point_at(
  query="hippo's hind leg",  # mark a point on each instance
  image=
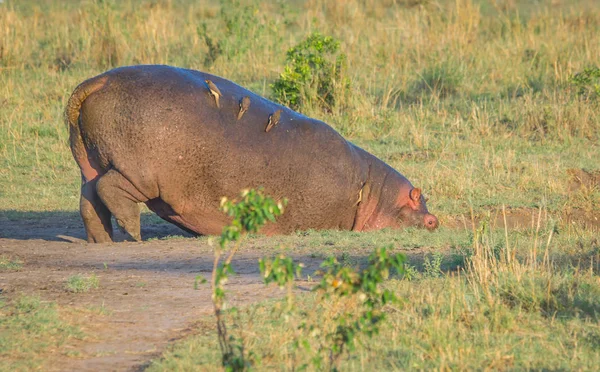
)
(122, 198)
(95, 215)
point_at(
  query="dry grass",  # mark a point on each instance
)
(477, 90)
(470, 99)
(511, 306)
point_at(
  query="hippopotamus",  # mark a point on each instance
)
(180, 140)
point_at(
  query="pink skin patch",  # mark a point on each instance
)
(87, 170)
(431, 222)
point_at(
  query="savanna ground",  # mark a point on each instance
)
(473, 100)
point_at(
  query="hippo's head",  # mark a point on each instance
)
(414, 212)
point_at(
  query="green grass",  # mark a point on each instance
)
(420, 335)
(442, 323)
(498, 311)
(81, 284)
(472, 100)
(488, 298)
(30, 330)
(9, 264)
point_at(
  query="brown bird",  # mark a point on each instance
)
(273, 120)
(244, 105)
(214, 91)
(360, 192)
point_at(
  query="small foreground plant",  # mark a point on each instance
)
(433, 265)
(341, 282)
(249, 215)
(341, 287)
(281, 271)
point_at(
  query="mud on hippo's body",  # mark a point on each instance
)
(178, 140)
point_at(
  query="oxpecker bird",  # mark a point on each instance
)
(273, 120)
(214, 91)
(244, 105)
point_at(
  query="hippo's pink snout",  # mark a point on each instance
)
(431, 222)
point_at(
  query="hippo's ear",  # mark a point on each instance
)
(415, 194)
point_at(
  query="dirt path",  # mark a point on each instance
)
(146, 288)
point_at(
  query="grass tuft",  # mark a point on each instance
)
(9, 264)
(81, 284)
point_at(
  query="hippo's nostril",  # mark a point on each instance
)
(431, 222)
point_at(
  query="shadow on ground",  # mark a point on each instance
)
(67, 226)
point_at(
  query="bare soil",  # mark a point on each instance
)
(146, 289)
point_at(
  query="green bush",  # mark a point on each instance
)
(339, 285)
(587, 82)
(433, 265)
(314, 74)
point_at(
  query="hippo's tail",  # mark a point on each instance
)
(72, 111)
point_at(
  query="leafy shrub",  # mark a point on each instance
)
(340, 281)
(340, 284)
(281, 270)
(314, 74)
(249, 215)
(411, 273)
(587, 82)
(341, 288)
